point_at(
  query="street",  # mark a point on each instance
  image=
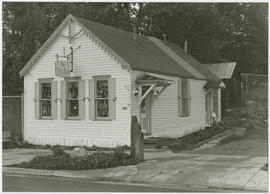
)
(13, 183)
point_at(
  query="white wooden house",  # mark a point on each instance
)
(86, 82)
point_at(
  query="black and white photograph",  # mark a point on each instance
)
(140, 96)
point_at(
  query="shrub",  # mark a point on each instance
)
(158, 145)
(64, 161)
(265, 167)
(57, 150)
(9, 144)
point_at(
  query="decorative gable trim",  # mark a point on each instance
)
(88, 33)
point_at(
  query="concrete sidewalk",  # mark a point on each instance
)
(163, 168)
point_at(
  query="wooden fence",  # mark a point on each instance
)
(12, 116)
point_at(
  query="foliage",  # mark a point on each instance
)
(64, 161)
(215, 32)
(57, 151)
(10, 144)
(158, 145)
(265, 167)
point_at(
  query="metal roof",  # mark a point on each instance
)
(222, 70)
(143, 54)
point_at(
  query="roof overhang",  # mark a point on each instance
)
(152, 80)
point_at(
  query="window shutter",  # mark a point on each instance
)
(189, 96)
(54, 99)
(91, 99)
(37, 107)
(81, 98)
(179, 86)
(63, 100)
(112, 99)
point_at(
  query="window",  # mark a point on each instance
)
(72, 99)
(45, 99)
(102, 98)
(183, 97)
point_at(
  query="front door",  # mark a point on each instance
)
(146, 114)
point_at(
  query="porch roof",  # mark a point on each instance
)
(150, 80)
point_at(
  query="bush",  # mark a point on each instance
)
(64, 161)
(9, 144)
(158, 145)
(57, 150)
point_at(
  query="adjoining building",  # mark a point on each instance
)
(230, 74)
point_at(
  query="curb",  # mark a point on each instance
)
(194, 188)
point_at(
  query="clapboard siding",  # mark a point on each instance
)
(165, 120)
(90, 60)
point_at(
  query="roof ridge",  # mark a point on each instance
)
(102, 24)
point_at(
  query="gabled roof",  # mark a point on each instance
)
(222, 70)
(145, 53)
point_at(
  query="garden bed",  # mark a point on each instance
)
(60, 160)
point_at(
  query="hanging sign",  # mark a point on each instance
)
(62, 68)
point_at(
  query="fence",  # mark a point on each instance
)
(255, 85)
(12, 119)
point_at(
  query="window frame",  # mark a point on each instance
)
(67, 80)
(40, 82)
(102, 78)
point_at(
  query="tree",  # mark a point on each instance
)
(216, 32)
